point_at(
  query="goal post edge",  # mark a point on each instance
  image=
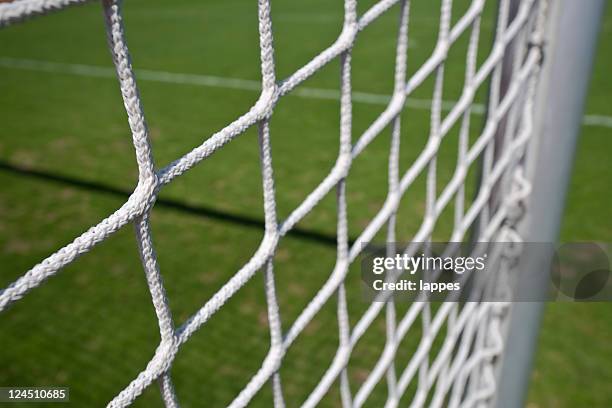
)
(570, 45)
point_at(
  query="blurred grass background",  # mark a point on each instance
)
(66, 162)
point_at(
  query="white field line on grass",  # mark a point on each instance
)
(240, 84)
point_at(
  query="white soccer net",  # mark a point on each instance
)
(462, 372)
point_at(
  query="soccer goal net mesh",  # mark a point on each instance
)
(462, 371)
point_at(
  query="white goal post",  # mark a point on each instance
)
(525, 151)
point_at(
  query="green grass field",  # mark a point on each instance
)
(66, 162)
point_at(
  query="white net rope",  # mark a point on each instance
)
(462, 373)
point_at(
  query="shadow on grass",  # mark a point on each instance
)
(166, 203)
